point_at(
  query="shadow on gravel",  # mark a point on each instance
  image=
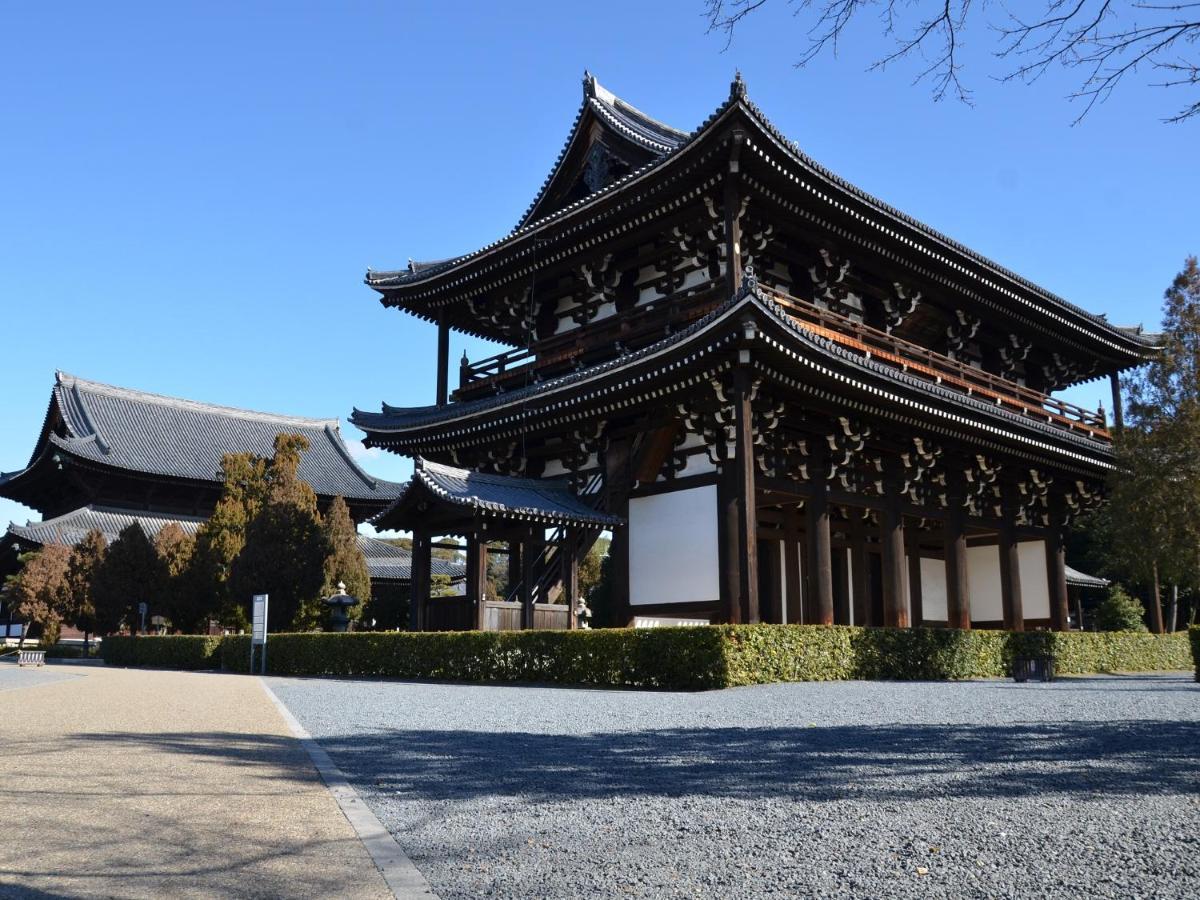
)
(893, 762)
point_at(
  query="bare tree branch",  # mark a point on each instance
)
(1107, 41)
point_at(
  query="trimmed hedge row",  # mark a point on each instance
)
(178, 651)
(691, 658)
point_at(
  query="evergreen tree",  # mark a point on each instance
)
(285, 545)
(345, 562)
(40, 592)
(1120, 612)
(86, 559)
(131, 573)
(186, 606)
(1155, 517)
(222, 537)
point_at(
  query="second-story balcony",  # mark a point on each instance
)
(642, 326)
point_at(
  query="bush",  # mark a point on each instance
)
(180, 651)
(1120, 612)
(68, 651)
(694, 658)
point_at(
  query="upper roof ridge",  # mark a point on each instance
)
(74, 382)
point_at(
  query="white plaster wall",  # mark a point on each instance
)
(983, 581)
(933, 590)
(673, 547)
(1035, 588)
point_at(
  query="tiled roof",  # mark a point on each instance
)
(626, 118)
(1081, 579)
(384, 560)
(174, 438)
(529, 499)
(71, 527)
(398, 420)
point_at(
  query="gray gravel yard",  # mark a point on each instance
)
(1087, 786)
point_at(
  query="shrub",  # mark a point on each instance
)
(181, 651)
(693, 658)
(67, 651)
(1120, 612)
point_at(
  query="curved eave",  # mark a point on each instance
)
(832, 190)
(619, 382)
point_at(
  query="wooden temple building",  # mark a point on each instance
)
(787, 400)
(107, 457)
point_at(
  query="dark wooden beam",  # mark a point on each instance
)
(1010, 562)
(617, 479)
(1056, 576)
(859, 577)
(477, 581)
(958, 598)
(791, 563)
(654, 451)
(420, 582)
(569, 559)
(443, 360)
(747, 537)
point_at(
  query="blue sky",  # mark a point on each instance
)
(193, 192)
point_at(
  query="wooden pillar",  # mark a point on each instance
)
(958, 595)
(820, 563)
(1056, 575)
(1118, 407)
(443, 360)
(916, 603)
(859, 576)
(531, 550)
(891, 539)
(747, 508)
(616, 486)
(419, 581)
(570, 573)
(1010, 562)
(794, 593)
(477, 578)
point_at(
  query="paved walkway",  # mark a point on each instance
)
(125, 783)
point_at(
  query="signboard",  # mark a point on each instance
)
(258, 621)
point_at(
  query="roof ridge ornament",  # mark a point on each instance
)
(589, 84)
(737, 88)
(749, 281)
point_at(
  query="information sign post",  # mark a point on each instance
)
(258, 631)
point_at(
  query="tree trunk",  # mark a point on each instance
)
(1156, 618)
(1174, 607)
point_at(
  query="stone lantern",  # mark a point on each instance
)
(339, 604)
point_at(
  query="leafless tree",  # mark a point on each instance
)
(1106, 41)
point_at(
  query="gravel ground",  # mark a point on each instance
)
(1086, 786)
(14, 677)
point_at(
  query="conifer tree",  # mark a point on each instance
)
(131, 573)
(285, 545)
(86, 559)
(345, 562)
(1155, 515)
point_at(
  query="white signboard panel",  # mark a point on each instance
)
(258, 621)
(673, 547)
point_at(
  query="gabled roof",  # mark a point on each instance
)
(771, 150)
(385, 561)
(182, 439)
(1082, 579)
(547, 501)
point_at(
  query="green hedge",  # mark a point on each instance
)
(694, 658)
(1194, 631)
(182, 651)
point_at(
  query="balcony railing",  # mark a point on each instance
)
(917, 361)
(639, 326)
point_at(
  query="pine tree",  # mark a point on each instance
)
(345, 562)
(86, 559)
(131, 573)
(40, 592)
(285, 546)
